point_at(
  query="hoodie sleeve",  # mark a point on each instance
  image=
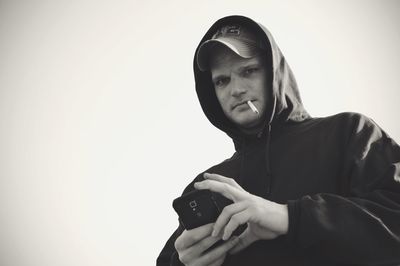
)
(168, 255)
(362, 227)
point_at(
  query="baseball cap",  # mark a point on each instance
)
(239, 39)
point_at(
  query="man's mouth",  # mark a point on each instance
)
(239, 104)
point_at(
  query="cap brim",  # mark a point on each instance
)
(241, 48)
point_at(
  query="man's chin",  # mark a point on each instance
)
(250, 126)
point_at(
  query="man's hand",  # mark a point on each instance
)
(265, 219)
(191, 246)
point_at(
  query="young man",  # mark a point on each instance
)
(312, 191)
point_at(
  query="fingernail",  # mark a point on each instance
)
(214, 233)
(205, 175)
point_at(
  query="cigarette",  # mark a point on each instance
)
(253, 107)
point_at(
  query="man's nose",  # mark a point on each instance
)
(237, 87)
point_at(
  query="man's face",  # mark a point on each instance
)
(237, 80)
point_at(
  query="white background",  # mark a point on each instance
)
(100, 127)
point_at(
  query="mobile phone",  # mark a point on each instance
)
(199, 207)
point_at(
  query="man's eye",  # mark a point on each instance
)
(221, 82)
(250, 71)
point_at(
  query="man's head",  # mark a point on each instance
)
(237, 64)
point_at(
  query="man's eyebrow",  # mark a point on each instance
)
(250, 65)
(240, 69)
(218, 76)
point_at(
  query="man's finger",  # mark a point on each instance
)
(218, 262)
(225, 189)
(222, 179)
(191, 237)
(245, 240)
(197, 249)
(226, 215)
(218, 252)
(236, 220)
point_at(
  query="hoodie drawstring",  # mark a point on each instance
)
(267, 159)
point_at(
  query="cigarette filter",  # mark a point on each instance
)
(252, 107)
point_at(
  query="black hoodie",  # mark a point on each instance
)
(339, 175)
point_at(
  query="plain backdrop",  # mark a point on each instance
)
(100, 127)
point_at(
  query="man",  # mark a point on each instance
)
(312, 191)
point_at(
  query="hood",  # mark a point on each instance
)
(285, 104)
